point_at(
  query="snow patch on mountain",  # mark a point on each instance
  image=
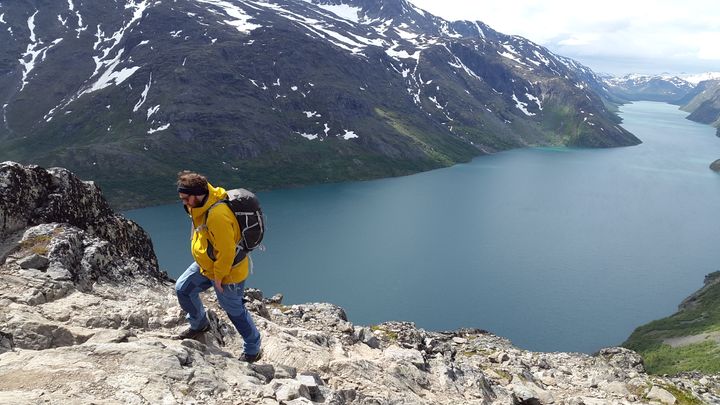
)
(143, 96)
(34, 51)
(406, 35)
(697, 78)
(80, 27)
(542, 59)
(344, 11)
(641, 80)
(319, 28)
(434, 100)
(110, 76)
(458, 64)
(512, 54)
(535, 99)
(397, 55)
(349, 135)
(307, 136)
(151, 111)
(521, 106)
(240, 17)
(158, 129)
(446, 30)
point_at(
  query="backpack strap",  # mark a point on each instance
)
(239, 252)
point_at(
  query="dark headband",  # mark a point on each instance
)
(192, 190)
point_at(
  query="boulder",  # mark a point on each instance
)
(659, 394)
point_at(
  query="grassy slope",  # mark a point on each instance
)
(702, 316)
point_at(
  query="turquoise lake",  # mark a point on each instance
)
(556, 249)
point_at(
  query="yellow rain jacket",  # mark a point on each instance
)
(223, 232)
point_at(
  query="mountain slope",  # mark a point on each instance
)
(274, 94)
(704, 106)
(689, 340)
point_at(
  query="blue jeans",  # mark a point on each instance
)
(188, 288)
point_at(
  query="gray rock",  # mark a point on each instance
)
(110, 336)
(275, 299)
(6, 342)
(59, 274)
(312, 385)
(616, 387)
(501, 357)
(285, 372)
(286, 390)
(265, 370)
(34, 261)
(395, 354)
(662, 395)
(299, 401)
(365, 335)
(525, 396)
(623, 358)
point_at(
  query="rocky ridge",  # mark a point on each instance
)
(84, 318)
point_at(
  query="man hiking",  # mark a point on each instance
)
(215, 235)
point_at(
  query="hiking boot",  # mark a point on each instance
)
(250, 358)
(190, 333)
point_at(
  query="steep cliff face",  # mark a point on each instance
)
(86, 319)
(705, 104)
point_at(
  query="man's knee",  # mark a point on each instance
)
(181, 287)
(233, 306)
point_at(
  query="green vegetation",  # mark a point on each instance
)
(390, 335)
(664, 359)
(500, 372)
(700, 316)
(683, 397)
(476, 352)
(38, 244)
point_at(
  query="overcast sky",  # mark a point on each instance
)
(611, 36)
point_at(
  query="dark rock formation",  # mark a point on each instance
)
(31, 195)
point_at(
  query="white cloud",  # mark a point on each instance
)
(668, 35)
(710, 49)
(579, 40)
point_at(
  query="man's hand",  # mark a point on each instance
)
(218, 285)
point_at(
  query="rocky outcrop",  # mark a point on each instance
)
(30, 195)
(82, 322)
(711, 280)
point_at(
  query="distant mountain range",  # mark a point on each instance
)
(697, 94)
(665, 88)
(266, 94)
